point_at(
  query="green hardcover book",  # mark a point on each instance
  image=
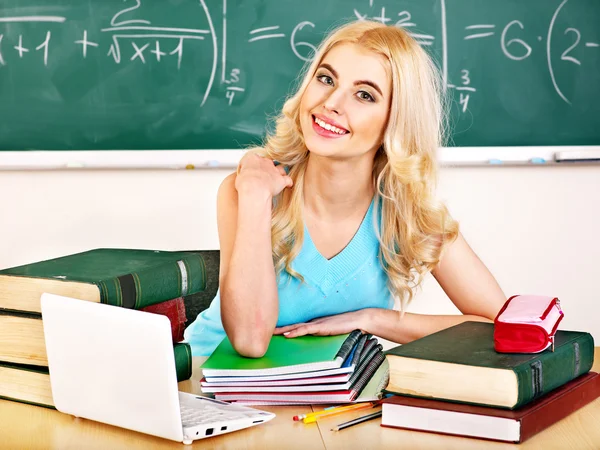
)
(120, 277)
(284, 356)
(460, 364)
(183, 360)
(31, 384)
(22, 333)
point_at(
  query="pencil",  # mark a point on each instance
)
(333, 409)
(362, 419)
(332, 412)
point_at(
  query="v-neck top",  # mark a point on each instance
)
(351, 280)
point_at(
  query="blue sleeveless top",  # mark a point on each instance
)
(353, 279)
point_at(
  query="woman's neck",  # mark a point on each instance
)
(337, 189)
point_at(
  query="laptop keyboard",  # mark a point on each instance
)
(200, 411)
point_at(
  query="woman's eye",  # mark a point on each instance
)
(364, 95)
(325, 79)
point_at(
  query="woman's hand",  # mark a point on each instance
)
(327, 326)
(258, 174)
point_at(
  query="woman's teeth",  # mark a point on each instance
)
(329, 127)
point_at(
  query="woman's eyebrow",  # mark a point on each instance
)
(369, 83)
(357, 82)
(331, 69)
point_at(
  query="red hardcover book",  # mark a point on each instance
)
(174, 309)
(483, 422)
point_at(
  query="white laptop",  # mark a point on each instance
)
(116, 366)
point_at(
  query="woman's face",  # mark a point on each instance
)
(344, 110)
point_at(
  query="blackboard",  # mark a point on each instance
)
(206, 74)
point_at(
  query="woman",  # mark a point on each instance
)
(344, 225)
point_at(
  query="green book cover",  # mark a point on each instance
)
(460, 364)
(284, 355)
(120, 277)
(183, 360)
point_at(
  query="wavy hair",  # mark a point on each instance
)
(415, 226)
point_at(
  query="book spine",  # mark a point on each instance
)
(553, 369)
(183, 361)
(174, 309)
(568, 403)
(155, 284)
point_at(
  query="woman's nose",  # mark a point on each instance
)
(334, 102)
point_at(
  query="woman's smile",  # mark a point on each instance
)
(327, 128)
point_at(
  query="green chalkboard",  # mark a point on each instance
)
(206, 74)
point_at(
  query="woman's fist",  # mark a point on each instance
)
(260, 175)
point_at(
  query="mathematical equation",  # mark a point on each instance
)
(136, 40)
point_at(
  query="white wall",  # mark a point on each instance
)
(536, 228)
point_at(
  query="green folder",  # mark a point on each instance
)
(284, 355)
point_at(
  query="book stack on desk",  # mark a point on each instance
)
(151, 281)
(302, 370)
(454, 382)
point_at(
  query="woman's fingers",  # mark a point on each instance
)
(281, 330)
(261, 171)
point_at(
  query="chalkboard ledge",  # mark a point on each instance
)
(228, 159)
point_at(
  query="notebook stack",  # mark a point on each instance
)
(151, 281)
(303, 370)
(454, 382)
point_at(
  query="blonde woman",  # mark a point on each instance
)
(334, 221)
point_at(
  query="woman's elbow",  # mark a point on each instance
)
(253, 346)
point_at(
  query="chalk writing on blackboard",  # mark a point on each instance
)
(131, 38)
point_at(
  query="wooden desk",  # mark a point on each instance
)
(30, 427)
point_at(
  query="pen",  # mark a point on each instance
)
(362, 419)
(332, 412)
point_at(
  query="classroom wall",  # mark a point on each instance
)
(536, 228)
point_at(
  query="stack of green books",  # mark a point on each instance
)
(454, 382)
(153, 281)
(302, 370)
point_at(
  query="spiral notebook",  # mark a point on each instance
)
(368, 386)
(284, 356)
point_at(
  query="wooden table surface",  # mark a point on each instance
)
(29, 427)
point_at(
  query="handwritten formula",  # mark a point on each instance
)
(222, 48)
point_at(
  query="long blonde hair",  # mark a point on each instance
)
(415, 227)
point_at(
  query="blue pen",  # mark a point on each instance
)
(495, 161)
(537, 160)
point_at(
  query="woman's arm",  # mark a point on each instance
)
(468, 282)
(249, 303)
(385, 323)
(465, 280)
(460, 273)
